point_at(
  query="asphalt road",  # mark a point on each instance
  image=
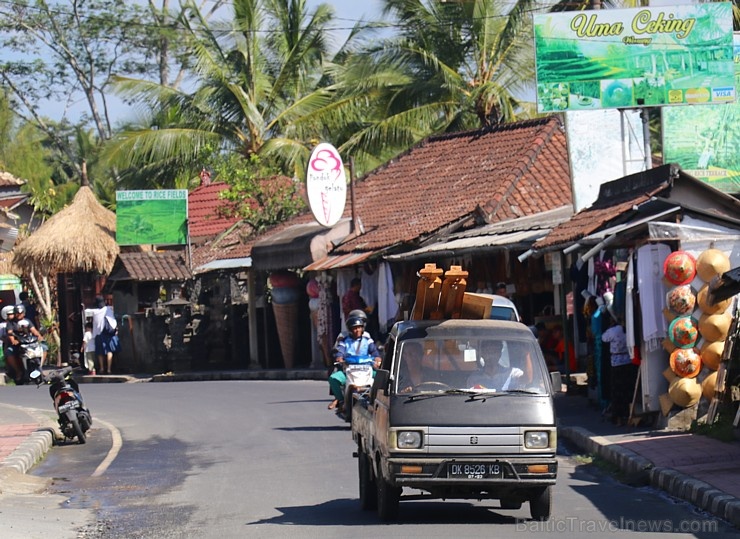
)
(266, 459)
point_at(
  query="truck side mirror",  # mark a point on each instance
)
(380, 381)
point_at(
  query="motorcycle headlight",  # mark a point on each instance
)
(409, 439)
(537, 439)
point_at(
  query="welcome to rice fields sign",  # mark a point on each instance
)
(621, 58)
(155, 217)
(705, 141)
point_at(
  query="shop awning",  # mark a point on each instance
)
(332, 262)
(601, 239)
(297, 246)
(518, 233)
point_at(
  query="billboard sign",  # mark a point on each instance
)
(621, 58)
(326, 184)
(705, 141)
(154, 217)
(603, 145)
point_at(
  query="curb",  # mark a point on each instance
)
(677, 484)
(30, 451)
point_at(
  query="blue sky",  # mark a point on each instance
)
(347, 13)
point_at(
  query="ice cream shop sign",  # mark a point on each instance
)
(326, 184)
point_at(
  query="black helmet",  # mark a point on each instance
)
(20, 309)
(355, 321)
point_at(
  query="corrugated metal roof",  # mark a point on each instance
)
(226, 263)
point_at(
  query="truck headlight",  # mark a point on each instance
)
(537, 439)
(409, 439)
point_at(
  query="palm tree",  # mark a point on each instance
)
(258, 78)
(451, 66)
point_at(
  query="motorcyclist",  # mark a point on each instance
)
(355, 342)
(22, 331)
(15, 367)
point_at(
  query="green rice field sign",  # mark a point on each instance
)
(621, 58)
(156, 217)
(705, 141)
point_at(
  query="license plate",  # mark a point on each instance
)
(474, 470)
(71, 405)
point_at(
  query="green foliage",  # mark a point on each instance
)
(257, 192)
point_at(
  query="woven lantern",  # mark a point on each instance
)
(684, 392)
(711, 263)
(711, 354)
(681, 299)
(679, 268)
(708, 385)
(683, 332)
(685, 362)
(714, 327)
(701, 301)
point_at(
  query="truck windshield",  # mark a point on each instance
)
(486, 365)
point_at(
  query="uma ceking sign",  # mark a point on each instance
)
(620, 58)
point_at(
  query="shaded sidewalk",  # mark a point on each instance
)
(699, 469)
(24, 438)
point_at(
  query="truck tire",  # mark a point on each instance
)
(540, 504)
(388, 500)
(368, 488)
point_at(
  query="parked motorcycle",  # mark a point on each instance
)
(74, 419)
(359, 373)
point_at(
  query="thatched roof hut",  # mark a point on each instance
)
(79, 238)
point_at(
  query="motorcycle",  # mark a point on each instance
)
(359, 373)
(74, 419)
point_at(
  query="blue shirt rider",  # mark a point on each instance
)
(354, 346)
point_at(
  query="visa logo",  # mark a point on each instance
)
(723, 94)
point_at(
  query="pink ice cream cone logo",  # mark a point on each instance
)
(326, 184)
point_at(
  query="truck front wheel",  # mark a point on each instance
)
(368, 488)
(388, 500)
(540, 504)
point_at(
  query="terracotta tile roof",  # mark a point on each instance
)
(203, 217)
(151, 266)
(236, 243)
(507, 171)
(613, 205)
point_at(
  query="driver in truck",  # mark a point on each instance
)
(410, 371)
(492, 374)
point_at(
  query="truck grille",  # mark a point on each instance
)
(474, 440)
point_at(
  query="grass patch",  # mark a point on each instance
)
(721, 429)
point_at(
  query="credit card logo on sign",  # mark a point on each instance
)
(723, 94)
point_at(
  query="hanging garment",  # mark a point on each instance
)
(387, 306)
(629, 307)
(652, 296)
